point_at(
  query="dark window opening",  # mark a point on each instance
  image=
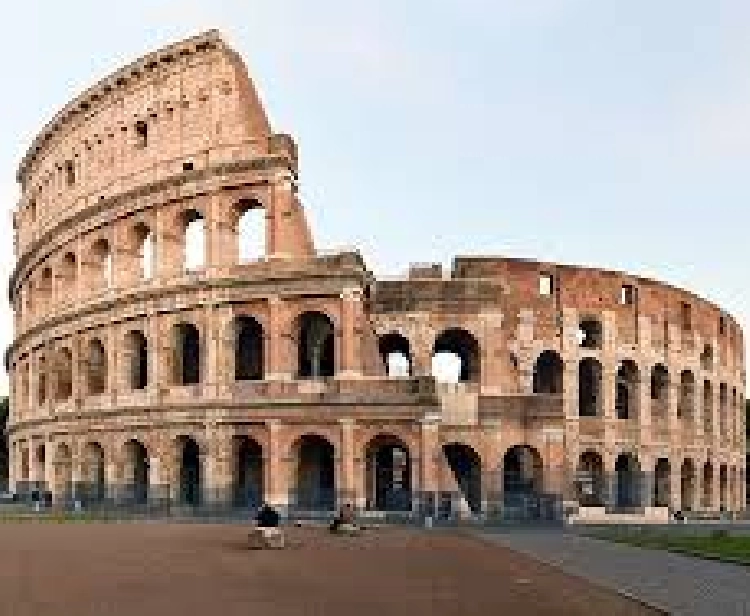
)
(627, 295)
(70, 173)
(141, 133)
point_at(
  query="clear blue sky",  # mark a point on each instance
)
(600, 132)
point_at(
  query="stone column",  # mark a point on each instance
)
(275, 467)
(351, 314)
(346, 487)
(281, 236)
(217, 486)
(279, 364)
(492, 366)
(429, 456)
(675, 483)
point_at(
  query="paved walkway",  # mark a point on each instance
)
(681, 585)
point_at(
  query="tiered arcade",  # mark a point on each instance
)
(141, 363)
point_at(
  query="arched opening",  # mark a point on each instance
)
(41, 380)
(136, 472)
(463, 347)
(662, 483)
(194, 240)
(396, 354)
(686, 402)
(523, 471)
(708, 408)
(250, 230)
(64, 389)
(92, 471)
(63, 473)
(187, 354)
(97, 367)
(590, 481)
(315, 473)
(628, 473)
(143, 248)
(589, 387)
(590, 334)
(687, 485)
(723, 403)
(465, 467)
(315, 345)
(626, 398)
(659, 392)
(248, 472)
(723, 485)
(190, 472)
(708, 486)
(68, 272)
(548, 374)
(101, 264)
(707, 358)
(248, 349)
(388, 474)
(45, 288)
(136, 355)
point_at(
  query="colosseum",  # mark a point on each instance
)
(154, 359)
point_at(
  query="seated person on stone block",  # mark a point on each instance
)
(345, 518)
(267, 517)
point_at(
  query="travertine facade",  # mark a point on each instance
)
(133, 365)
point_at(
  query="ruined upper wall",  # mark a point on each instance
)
(187, 106)
(515, 286)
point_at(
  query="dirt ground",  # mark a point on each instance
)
(164, 569)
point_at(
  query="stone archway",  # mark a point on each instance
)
(388, 474)
(247, 485)
(465, 470)
(190, 472)
(92, 488)
(629, 481)
(662, 486)
(136, 479)
(315, 473)
(591, 483)
(687, 485)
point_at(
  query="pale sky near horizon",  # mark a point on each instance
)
(595, 132)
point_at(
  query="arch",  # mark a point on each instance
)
(96, 374)
(523, 471)
(136, 475)
(388, 474)
(247, 485)
(590, 484)
(250, 230)
(463, 346)
(628, 471)
(627, 393)
(662, 483)
(64, 388)
(248, 349)
(590, 333)
(190, 473)
(465, 467)
(723, 407)
(395, 352)
(68, 271)
(187, 354)
(315, 345)
(707, 357)
(142, 239)
(723, 487)
(136, 356)
(548, 373)
(193, 227)
(589, 387)
(687, 485)
(708, 407)
(62, 487)
(686, 402)
(708, 485)
(315, 473)
(41, 379)
(101, 264)
(45, 288)
(92, 473)
(659, 390)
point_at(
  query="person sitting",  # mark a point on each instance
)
(267, 517)
(344, 521)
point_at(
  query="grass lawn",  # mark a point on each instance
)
(717, 545)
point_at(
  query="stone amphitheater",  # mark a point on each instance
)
(152, 358)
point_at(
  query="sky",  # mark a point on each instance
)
(594, 132)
